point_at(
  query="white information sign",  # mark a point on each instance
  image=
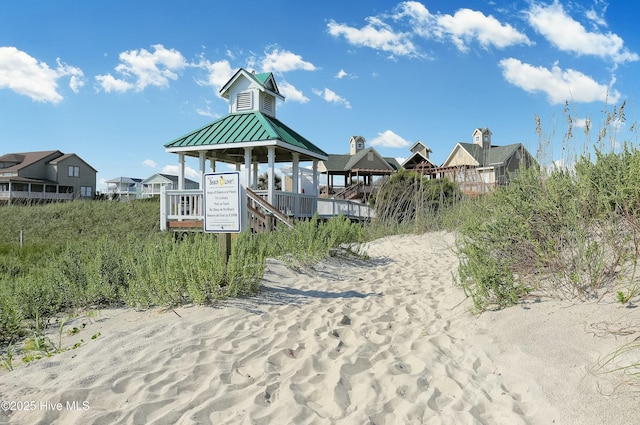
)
(222, 209)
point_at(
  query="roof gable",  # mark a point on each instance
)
(468, 149)
(264, 82)
(68, 156)
(419, 146)
(415, 159)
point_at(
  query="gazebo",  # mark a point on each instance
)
(248, 136)
(357, 170)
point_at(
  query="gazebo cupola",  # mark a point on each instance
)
(248, 91)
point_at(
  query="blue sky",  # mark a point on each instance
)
(114, 80)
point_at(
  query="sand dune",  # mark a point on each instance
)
(388, 340)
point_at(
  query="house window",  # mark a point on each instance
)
(86, 191)
(74, 171)
(370, 156)
(243, 101)
(477, 138)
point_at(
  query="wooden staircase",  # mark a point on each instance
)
(263, 217)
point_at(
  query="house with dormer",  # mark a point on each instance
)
(45, 176)
(249, 136)
(480, 166)
(352, 175)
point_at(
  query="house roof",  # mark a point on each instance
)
(417, 158)
(24, 159)
(71, 155)
(249, 129)
(496, 155)
(127, 180)
(167, 178)
(346, 162)
(420, 143)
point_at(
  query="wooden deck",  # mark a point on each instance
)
(182, 210)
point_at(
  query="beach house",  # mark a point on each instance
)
(480, 166)
(248, 137)
(45, 176)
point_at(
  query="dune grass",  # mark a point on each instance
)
(98, 253)
(569, 231)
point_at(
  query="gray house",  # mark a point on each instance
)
(480, 166)
(45, 176)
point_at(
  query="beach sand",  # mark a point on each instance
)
(384, 340)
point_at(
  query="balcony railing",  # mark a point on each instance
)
(23, 194)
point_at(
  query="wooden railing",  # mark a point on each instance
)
(21, 194)
(180, 206)
(260, 213)
(185, 208)
(329, 207)
(349, 191)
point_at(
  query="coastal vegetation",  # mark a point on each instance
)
(62, 258)
(569, 231)
(563, 231)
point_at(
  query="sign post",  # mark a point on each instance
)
(223, 207)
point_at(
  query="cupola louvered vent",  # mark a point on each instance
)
(243, 101)
(267, 104)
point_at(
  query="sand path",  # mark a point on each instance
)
(388, 340)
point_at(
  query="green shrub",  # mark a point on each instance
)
(578, 231)
(10, 317)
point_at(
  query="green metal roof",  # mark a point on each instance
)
(244, 128)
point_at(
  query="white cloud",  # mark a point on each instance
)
(291, 93)
(24, 75)
(332, 97)
(188, 171)
(276, 60)
(559, 85)
(467, 25)
(597, 19)
(218, 73)
(377, 35)
(141, 68)
(109, 84)
(552, 22)
(207, 112)
(464, 27)
(343, 74)
(149, 163)
(389, 139)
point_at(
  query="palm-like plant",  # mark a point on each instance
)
(263, 180)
